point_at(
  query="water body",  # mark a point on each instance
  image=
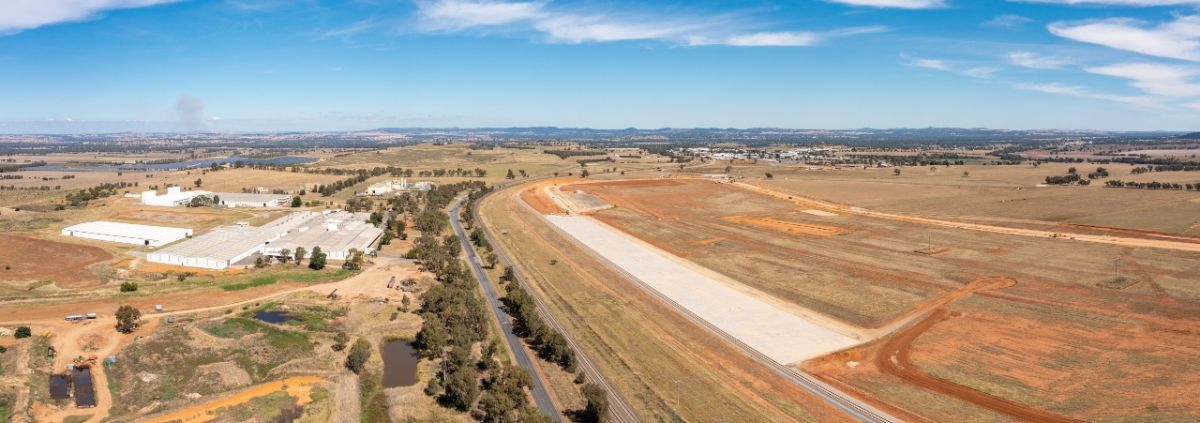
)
(181, 165)
(399, 364)
(272, 316)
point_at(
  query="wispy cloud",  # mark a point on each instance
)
(928, 63)
(350, 30)
(21, 15)
(452, 15)
(1036, 61)
(1155, 78)
(1081, 92)
(1178, 39)
(1007, 21)
(895, 4)
(591, 26)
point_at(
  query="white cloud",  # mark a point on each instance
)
(1007, 21)
(928, 63)
(582, 29)
(1154, 78)
(1178, 39)
(1081, 92)
(981, 72)
(349, 31)
(1036, 61)
(896, 4)
(21, 15)
(588, 27)
(1193, 106)
(462, 14)
(783, 39)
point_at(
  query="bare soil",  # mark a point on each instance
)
(33, 259)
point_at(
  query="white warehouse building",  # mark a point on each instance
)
(177, 197)
(174, 197)
(127, 233)
(224, 247)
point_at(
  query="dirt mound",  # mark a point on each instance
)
(33, 259)
(785, 226)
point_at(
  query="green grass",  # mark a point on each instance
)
(295, 276)
(264, 408)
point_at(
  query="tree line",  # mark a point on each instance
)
(1153, 185)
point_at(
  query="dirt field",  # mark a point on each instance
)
(27, 259)
(668, 368)
(1043, 346)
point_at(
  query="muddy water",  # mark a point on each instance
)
(399, 364)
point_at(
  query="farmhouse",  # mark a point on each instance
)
(127, 233)
(336, 232)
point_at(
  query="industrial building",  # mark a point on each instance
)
(396, 186)
(253, 200)
(177, 197)
(336, 232)
(127, 233)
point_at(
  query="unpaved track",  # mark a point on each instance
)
(893, 358)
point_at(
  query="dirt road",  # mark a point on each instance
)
(893, 358)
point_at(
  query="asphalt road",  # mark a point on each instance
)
(541, 395)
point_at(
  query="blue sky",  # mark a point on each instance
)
(271, 65)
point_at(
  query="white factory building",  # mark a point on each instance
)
(394, 186)
(253, 200)
(127, 233)
(177, 197)
(335, 232)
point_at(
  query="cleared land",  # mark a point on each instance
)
(666, 366)
(772, 330)
(1046, 344)
(26, 259)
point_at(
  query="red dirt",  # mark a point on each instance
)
(1133, 233)
(893, 358)
(533, 196)
(33, 259)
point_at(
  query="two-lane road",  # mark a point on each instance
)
(541, 396)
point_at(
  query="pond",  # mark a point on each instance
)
(399, 364)
(272, 316)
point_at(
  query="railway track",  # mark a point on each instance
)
(619, 409)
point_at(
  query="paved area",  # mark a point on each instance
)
(771, 330)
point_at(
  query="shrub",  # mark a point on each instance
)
(129, 286)
(23, 332)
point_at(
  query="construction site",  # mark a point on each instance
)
(970, 320)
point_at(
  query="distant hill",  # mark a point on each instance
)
(1191, 136)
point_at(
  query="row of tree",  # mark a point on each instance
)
(549, 344)
(1153, 185)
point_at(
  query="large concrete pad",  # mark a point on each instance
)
(771, 330)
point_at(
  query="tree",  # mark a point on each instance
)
(299, 255)
(728, 169)
(896, 171)
(491, 260)
(461, 387)
(431, 339)
(216, 200)
(317, 262)
(198, 182)
(354, 261)
(360, 353)
(129, 286)
(23, 332)
(770, 176)
(510, 175)
(404, 303)
(523, 174)
(584, 174)
(127, 318)
(285, 255)
(966, 174)
(296, 201)
(597, 403)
